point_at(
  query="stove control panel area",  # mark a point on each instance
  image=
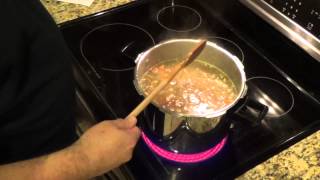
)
(299, 20)
(305, 13)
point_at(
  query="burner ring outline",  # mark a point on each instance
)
(179, 6)
(283, 85)
(230, 41)
(105, 25)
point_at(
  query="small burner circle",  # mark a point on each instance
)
(101, 48)
(272, 93)
(229, 45)
(179, 18)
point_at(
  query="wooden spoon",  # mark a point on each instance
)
(187, 60)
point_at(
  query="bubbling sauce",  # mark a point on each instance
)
(198, 89)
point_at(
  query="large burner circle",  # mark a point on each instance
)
(179, 18)
(272, 93)
(101, 47)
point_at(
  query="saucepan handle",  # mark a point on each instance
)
(248, 110)
(252, 111)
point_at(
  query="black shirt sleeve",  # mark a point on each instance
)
(36, 83)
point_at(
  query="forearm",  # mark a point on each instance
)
(65, 164)
(103, 147)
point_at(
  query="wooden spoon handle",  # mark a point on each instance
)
(188, 60)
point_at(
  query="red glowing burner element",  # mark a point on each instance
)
(185, 158)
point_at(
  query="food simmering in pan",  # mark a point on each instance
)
(198, 88)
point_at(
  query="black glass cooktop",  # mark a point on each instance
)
(105, 46)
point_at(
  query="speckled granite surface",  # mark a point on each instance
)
(62, 11)
(300, 161)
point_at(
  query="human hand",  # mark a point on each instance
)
(107, 145)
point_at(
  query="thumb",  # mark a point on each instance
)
(127, 123)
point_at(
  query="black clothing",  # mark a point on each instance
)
(36, 83)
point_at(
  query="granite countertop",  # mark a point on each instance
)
(300, 161)
(62, 11)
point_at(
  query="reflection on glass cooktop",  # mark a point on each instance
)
(109, 43)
